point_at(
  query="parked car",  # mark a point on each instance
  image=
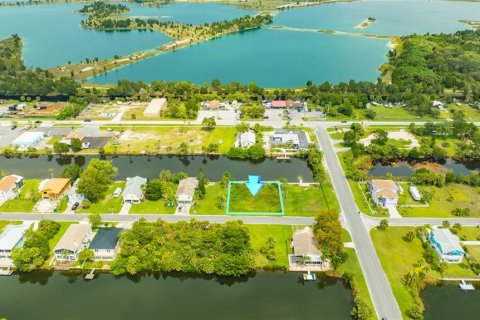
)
(14, 127)
(87, 120)
(38, 121)
(75, 206)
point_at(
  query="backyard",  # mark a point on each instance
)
(167, 139)
(108, 204)
(259, 235)
(26, 200)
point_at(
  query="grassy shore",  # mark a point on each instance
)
(259, 235)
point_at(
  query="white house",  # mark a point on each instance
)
(76, 238)
(447, 245)
(384, 192)
(294, 139)
(186, 190)
(12, 237)
(133, 192)
(154, 107)
(305, 252)
(28, 139)
(105, 244)
(10, 187)
(246, 139)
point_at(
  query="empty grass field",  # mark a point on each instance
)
(259, 235)
(267, 200)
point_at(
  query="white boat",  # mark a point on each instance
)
(309, 276)
(466, 286)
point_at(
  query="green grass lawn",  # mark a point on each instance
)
(446, 199)
(167, 139)
(359, 285)
(474, 251)
(469, 233)
(309, 201)
(108, 204)
(62, 205)
(397, 257)
(346, 236)
(24, 202)
(154, 207)
(267, 199)
(282, 235)
(393, 114)
(214, 201)
(53, 242)
(469, 112)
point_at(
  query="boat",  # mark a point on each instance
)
(465, 286)
(309, 276)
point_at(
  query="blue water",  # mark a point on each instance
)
(272, 58)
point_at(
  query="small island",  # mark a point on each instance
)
(365, 23)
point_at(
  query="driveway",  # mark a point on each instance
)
(126, 208)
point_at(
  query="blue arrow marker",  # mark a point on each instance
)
(254, 184)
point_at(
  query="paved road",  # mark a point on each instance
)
(382, 296)
(371, 222)
(153, 217)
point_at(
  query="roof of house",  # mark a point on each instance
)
(447, 241)
(214, 104)
(187, 186)
(12, 235)
(304, 243)
(384, 184)
(155, 105)
(279, 103)
(8, 182)
(73, 237)
(386, 194)
(134, 186)
(288, 135)
(56, 185)
(75, 135)
(28, 138)
(247, 138)
(106, 238)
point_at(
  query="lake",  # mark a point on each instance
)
(405, 169)
(447, 302)
(267, 295)
(272, 58)
(150, 167)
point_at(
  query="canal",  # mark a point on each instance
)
(267, 295)
(150, 167)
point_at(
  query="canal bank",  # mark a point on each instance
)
(265, 295)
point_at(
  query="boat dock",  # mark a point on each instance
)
(6, 272)
(465, 286)
(90, 275)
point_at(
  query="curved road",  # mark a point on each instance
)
(382, 296)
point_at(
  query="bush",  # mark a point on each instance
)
(415, 312)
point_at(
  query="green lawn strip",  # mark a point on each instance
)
(108, 204)
(3, 224)
(53, 242)
(259, 235)
(62, 205)
(359, 285)
(211, 204)
(469, 112)
(153, 207)
(398, 256)
(346, 236)
(445, 199)
(22, 203)
(469, 234)
(267, 199)
(474, 251)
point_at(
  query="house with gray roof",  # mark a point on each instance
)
(133, 192)
(105, 244)
(291, 139)
(447, 245)
(186, 190)
(12, 237)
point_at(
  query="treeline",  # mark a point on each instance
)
(198, 247)
(16, 79)
(101, 9)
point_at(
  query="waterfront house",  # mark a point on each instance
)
(133, 192)
(105, 244)
(54, 188)
(186, 190)
(212, 105)
(72, 135)
(76, 238)
(385, 193)
(10, 187)
(447, 245)
(28, 139)
(246, 139)
(306, 254)
(291, 139)
(154, 107)
(12, 237)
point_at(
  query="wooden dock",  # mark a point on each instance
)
(7, 272)
(90, 275)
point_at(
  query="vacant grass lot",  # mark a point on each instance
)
(108, 204)
(446, 199)
(214, 202)
(259, 235)
(24, 202)
(242, 200)
(469, 233)
(397, 257)
(153, 207)
(167, 139)
(309, 201)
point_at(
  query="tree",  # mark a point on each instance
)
(86, 255)
(154, 189)
(72, 172)
(361, 310)
(242, 127)
(96, 178)
(209, 123)
(329, 234)
(381, 136)
(383, 225)
(183, 148)
(409, 236)
(226, 177)
(76, 144)
(95, 219)
(350, 137)
(60, 147)
(415, 312)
